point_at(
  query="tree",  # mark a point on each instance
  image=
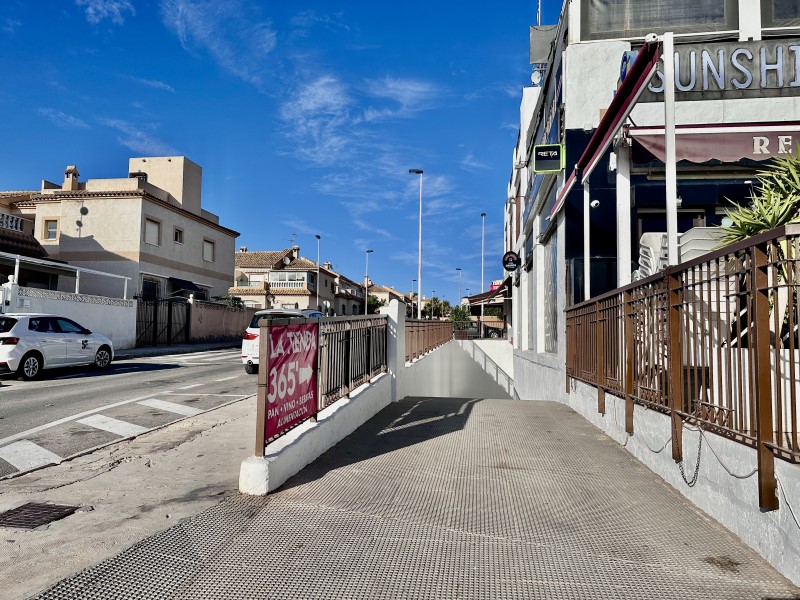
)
(460, 317)
(374, 303)
(234, 302)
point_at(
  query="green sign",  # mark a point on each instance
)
(548, 158)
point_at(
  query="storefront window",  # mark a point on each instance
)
(609, 19)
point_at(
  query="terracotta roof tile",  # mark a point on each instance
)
(16, 242)
(259, 259)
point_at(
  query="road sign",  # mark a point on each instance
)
(548, 158)
(291, 376)
(511, 261)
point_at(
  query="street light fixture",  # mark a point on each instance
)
(318, 238)
(419, 257)
(366, 282)
(433, 295)
(483, 289)
(459, 283)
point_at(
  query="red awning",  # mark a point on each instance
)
(726, 143)
(621, 106)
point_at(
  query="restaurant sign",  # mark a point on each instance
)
(726, 70)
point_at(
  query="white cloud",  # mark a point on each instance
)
(62, 119)
(11, 25)
(138, 140)
(407, 92)
(154, 83)
(470, 163)
(311, 18)
(97, 10)
(238, 41)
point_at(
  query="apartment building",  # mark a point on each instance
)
(284, 279)
(148, 226)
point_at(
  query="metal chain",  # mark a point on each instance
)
(690, 482)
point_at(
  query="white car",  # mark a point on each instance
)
(250, 337)
(30, 343)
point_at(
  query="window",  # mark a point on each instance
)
(178, 236)
(152, 232)
(51, 229)
(780, 13)
(208, 250)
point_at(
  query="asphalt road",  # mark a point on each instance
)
(71, 411)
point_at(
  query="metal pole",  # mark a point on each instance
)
(587, 246)
(366, 282)
(669, 147)
(483, 289)
(459, 284)
(413, 281)
(318, 238)
(419, 258)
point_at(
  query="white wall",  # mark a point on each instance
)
(115, 318)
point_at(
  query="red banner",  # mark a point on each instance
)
(291, 376)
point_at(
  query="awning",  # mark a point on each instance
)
(183, 285)
(491, 296)
(726, 143)
(621, 106)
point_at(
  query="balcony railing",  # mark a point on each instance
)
(12, 222)
(713, 342)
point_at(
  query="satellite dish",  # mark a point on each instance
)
(286, 260)
(536, 77)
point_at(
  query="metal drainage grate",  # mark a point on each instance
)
(33, 515)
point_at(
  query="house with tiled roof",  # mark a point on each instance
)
(284, 279)
(148, 227)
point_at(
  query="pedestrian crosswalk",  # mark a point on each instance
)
(57, 441)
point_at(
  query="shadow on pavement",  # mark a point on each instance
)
(406, 423)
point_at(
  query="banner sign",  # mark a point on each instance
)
(291, 376)
(511, 261)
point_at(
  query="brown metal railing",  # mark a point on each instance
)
(423, 336)
(352, 351)
(713, 341)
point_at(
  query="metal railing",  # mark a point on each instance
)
(352, 351)
(713, 341)
(422, 336)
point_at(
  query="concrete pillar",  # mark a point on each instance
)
(396, 347)
(623, 214)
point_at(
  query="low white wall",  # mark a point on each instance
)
(448, 371)
(113, 317)
(501, 352)
(477, 351)
(727, 485)
(289, 454)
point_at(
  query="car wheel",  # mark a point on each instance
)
(494, 334)
(103, 357)
(30, 367)
(251, 369)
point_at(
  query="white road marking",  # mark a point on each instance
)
(225, 378)
(25, 455)
(30, 432)
(181, 409)
(194, 385)
(121, 428)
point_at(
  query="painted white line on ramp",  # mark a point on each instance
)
(181, 409)
(189, 387)
(121, 428)
(225, 378)
(26, 455)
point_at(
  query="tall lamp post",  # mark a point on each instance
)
(419, 257)
(433, 295)
(459, 284)
(483, 289)
(413, 281)
(366, 282)
(318, 238)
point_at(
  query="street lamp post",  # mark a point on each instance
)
(318, 238)
(366, 282)
(419, 256)
(459, 284)
(483, 289)
(433, 295)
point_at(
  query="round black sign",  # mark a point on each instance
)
(511, 261)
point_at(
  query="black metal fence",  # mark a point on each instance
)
(162, 321)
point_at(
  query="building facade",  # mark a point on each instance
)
(578, 229)
(149, 227)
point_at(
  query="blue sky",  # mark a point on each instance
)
(305, 117)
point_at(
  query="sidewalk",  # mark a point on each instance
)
(432, 498)
(173, 349)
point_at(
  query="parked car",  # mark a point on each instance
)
(250, 337)
(312, 313)
(30, 343)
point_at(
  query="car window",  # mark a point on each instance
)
(42, 325)
(6, 324)
(68, 326)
